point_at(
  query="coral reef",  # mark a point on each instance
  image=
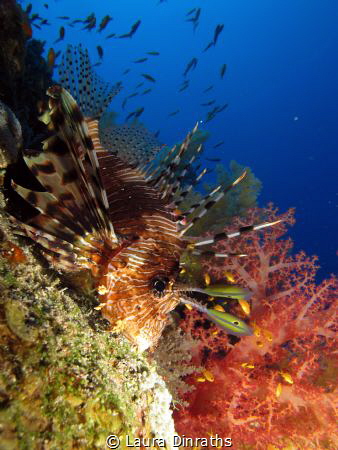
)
(277, 388)
(24, 74)
(10, 136)
(66, 381)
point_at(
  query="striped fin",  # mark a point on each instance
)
(223, 235)
(167, 175)
(54, 169)
(43, 238)
(45, 201)
(174, 185)
(186, 191)
(92, 93)
(67, 120)
(150, 175)
(208, 202)
(212, 254)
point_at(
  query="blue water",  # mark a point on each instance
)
(281, 87)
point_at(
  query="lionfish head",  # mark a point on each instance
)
(138, 289)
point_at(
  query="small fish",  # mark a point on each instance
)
(227, 291)
(148, 77)
(153, 53)
(219, 308)
(286, 377)
(173, 113)
(223, 70)
(36, 26)
(110, 35)
(222, 108)
(190, 66)
(44, 22)
(139, 111)
(278, 390)
(65, 18)
(139, 85)
(208, 103)
(213, 159)
(217, 32)
(45, 5)
(134, 94)
(245, 306)
(211, 114)
(211, 44)
(184, 85)
(146, 91)
(247, 365)
(132, 30)
(104, 22)
(51, 58)
(209, 376)
(126, 71)
(207, 279)
(208, 88)
(99, 51)
(141, 60)
(229, 277)
(90, 21)
(62, 33)
(124, 102)
(190, 11)
(135, 113)
(130, 115)
(29, 8)
(195, 18)
(216, 146)
(200, 379)
(74, 22)
(157, 133)
(231, 324)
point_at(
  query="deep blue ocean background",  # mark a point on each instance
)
(280, 84)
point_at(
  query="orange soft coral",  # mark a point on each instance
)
(276, 387)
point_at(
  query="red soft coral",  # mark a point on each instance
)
(276, 387)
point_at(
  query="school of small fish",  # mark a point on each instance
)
(104, 25)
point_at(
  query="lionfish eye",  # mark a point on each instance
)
(159, 284)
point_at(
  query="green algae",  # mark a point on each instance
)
(66, 381)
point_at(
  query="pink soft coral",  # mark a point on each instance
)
(276, 387)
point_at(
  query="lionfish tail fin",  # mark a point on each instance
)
(92, 93)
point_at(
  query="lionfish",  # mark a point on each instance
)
(114, 219)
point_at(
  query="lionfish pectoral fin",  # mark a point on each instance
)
(71, 127)
(208, 202)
